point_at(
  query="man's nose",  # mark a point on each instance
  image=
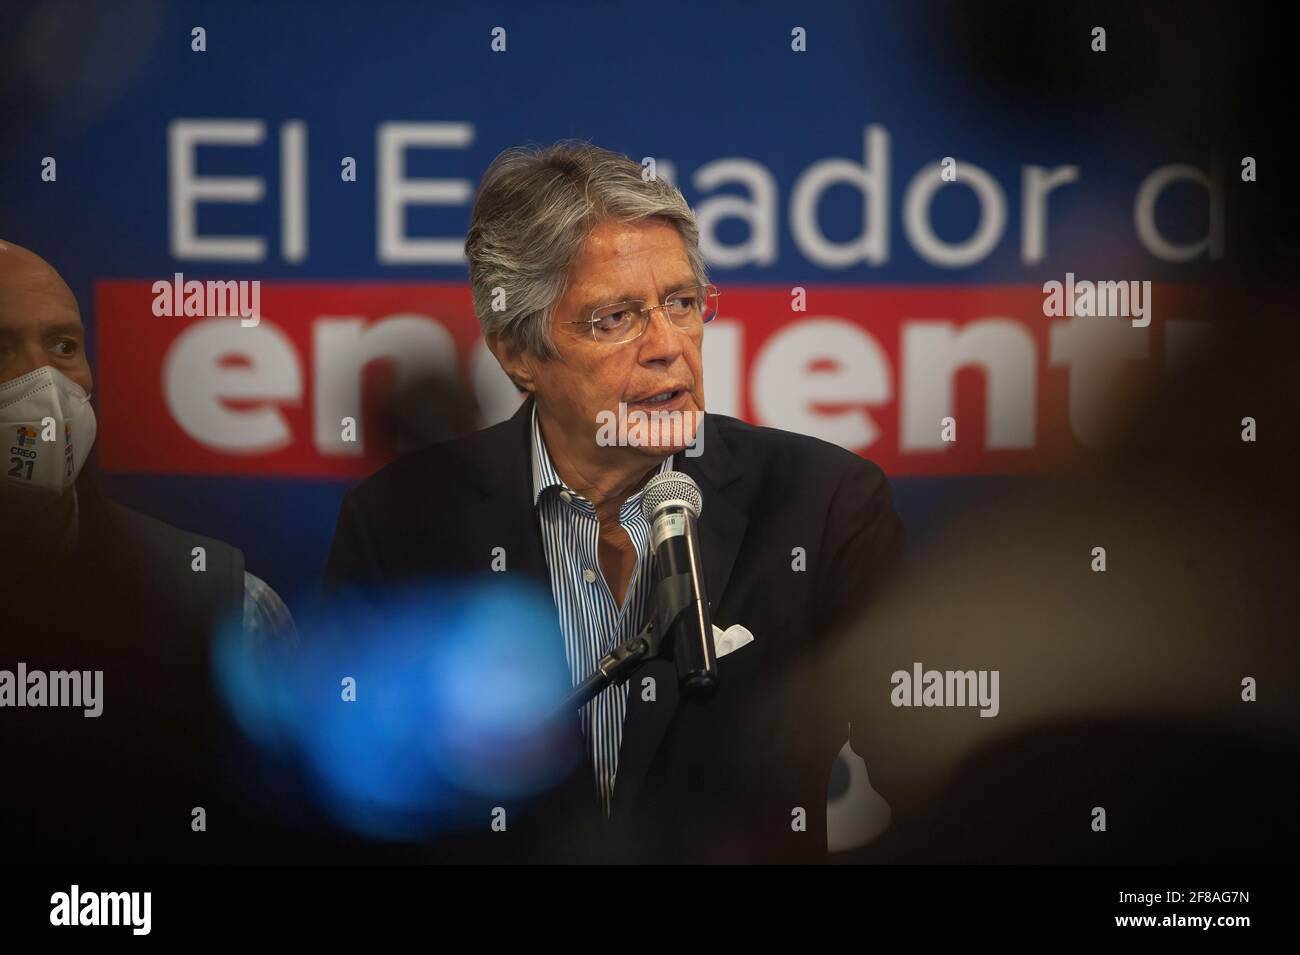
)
(662, 340)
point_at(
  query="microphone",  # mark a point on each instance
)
(672, 504)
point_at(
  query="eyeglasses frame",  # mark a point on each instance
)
(645, 318)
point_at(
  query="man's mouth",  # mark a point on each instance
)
(660, 398)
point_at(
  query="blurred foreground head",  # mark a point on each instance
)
(1104, 668)
(1140, 614)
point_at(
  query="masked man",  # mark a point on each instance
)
(105, 714)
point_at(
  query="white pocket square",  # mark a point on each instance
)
(733, 638)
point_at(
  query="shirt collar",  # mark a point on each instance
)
(545, 475)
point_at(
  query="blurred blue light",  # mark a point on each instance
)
(455, 684)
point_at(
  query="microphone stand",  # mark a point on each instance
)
(616, 668)
(672, 598)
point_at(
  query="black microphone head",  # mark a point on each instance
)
(671, 487)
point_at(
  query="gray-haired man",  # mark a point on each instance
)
(592, 294)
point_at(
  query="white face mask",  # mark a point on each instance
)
(46, 429)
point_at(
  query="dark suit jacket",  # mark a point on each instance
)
(795, 534)
(118, 788)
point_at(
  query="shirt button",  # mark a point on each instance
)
(566, 497)
(589, 575)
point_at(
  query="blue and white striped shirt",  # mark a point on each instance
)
(590, 621)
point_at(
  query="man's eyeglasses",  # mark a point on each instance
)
(688, 309)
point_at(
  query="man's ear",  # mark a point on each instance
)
(513, 362)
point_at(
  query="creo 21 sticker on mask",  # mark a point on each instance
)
(22, 454)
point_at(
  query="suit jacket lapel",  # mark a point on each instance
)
(504, 477)
(721, 530)
(502, 472)
(722, 521)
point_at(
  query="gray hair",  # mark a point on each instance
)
(534, 210)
